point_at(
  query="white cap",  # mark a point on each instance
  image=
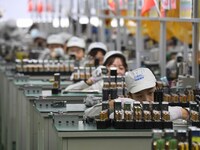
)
(11, 23)
(55, 39)
(76, 42)
(65, 36)
(139, 79)
(37, 34)
(179, 55)
(112, 53)
(98, 45)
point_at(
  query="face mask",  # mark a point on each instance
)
(59, 51)
(34, 33)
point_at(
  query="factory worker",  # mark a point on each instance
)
(111, 59)
(10, 26)
(39, 43)
(76, 48)
(39, 39)
(172, 66)
(54, 49)
(141, 85)
(65, 36)
(7, 28)
(96, 52)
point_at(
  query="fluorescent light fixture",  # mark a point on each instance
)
(114, 23)
(56, 23)
(24, 23)
(64, 23)
(83, 20)
(100, 22)
(121, 22)
(94, 21)
(131, 23)
(93, 11)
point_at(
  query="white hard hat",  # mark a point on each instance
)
(179, 55)
(139, 79)
(65, 36)
(98, 45)
(76, 42)
(55, 39)
(112, 53)
(38, 34)
(11, 23)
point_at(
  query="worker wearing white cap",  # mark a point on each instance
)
(39, 39)
(54, 41)
(173, 65)
(39, 44)
(76, 46)
(116, 59)
(111, 59)
(54, 50)
(65, 36)
(141, 85)
(96, 52)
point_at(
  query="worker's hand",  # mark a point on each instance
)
(177, 112)
(97, 75)
(185, 113)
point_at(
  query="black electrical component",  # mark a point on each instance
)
(156, 115)
(193, 137)
(128, 116)
(137, 116)
(104, 122)
(165, 115)
(106, 89)
(118, 122)
(96, 62)
(58, 104)
(181, 136)
(158, 96)
(113, 72)
(56, 84)
(113, 88)
(147, 116)
(194, 114)
(119, 86)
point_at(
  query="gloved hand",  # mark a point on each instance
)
(91, 100)
(175, 112)
(97, 75)
(164, 81)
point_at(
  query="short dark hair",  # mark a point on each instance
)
(94, 51)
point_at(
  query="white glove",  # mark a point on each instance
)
(91, 100)
(164, 81)
(175, 112)
(97, 74)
